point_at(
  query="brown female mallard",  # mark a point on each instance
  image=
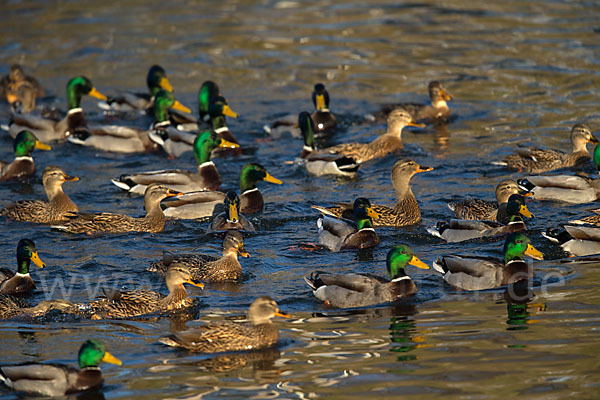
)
(486, 210)
(259, 333)
(209, 268)
(21, 282)
(534, 160)
(154, 221)
(124, 304)
(11, 83)
(436, 112)
(22, 166)
(405, 212)
(383, 145)
(58, 379)
(54, 210)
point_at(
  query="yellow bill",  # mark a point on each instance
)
(320, 102)
(109, 358)
(180, 107)
(272, 179)
(533, 252)
(164, 83)
(414, 261)
(97, 94)
(36, 260)
(233, 213)
(229, 112)
(227, 144)
(41, 146)
(371, 213)
(525, 212)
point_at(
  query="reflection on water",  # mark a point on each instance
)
(522, 73)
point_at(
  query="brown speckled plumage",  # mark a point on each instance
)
(477, 209)
(436, 112)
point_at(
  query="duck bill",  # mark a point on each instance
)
(11, 98)
(525, 212)
(233, 214)
(593, 139)
(371, 213)
(173, 193)
(197, 284)
(415, 124)
(36, 260)
(242, 251)
(534, 253)
(280, 313)
(41, 146)
(525, 194)
(109, 358)
(415, 262)
(320, 102)
(180, 107)
(164, 83)
(68, 178)
(446, 95)
(227, 144)
(229, 112)
(424, 169)
(97, 94)
(272, 179)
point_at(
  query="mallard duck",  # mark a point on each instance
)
(321, 163)
(323, 118)
(21, 282)
(436, 112)
(337, 234)
(137, 101)
(577, 240)
(202, 204)
(510, 220)
(130, 303)
(48, 129)
(207, 176)
(154, 221)
(54, 210)
(478, 209)
(209, 268)
(58, 379)
(593, 219)
(534, 160)
(479, 273)
(230, 219)
(11, 83)
(359, 290)
(21, 98)
(22, 166)
(567, 188)
(176, 142)
(216, 337)
(207, 95)
(123, 139)
(383, 145)
(405, 212)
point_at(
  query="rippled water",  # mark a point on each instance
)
(521, 72)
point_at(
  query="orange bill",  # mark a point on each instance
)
(272, 179)
(36, 260)
(534, 253)
(414, 261)
(97, 94)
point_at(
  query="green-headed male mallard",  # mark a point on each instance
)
(231, 218)
(216, 337)
(359, 290)
(137, 101)
(322, 163)
(11, 83)
(21, 282)
(154, 220)
(479, 273)
(535, 160)
(576, 240)
(510, 220)
(209, 268)
(567, 188)
(56, 209)
(478, 209)
(130, 303)
(47, 129)
(207, 176)
(436, 112)
(202, 204)
(58, 379)
(337, 234)
(405, 212)
(124, 139)
(22, 166)
(208, 95)
(383, 145)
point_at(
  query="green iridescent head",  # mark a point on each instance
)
(27, 252)
(25, 142)
(517, 246)
(92, 352)
(157, 80)
(516, 208)
(363, 213)
(207, 91)
(164, 100)
(399, 257)
(217, 110)
(597, 157)
(206, 142)
(253, 173)
(307, 126)
(79, 86)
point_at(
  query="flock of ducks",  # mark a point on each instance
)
(195, 194)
